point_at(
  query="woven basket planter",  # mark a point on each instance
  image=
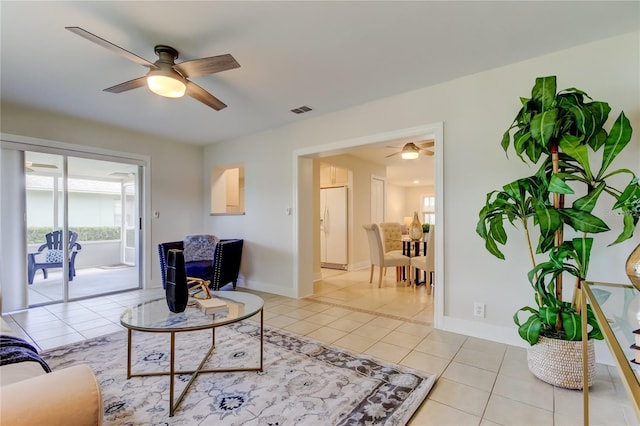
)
(559, 362)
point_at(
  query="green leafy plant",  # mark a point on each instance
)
(36, 234)
(561, 132)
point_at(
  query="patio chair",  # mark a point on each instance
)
(49, 255)
(223, 268)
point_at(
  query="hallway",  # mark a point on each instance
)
(352, 290)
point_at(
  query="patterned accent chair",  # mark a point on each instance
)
(223, 267)
(52, 251)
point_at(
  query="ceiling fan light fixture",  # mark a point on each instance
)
(169, 85)
(410, 151)
(409, 155)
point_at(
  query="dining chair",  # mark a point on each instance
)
(379, 257)
(426, 262)
(392, 241)
(391, 236)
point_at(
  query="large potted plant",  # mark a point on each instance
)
(562, 132)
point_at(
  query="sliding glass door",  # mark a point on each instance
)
(45, 208)
(95, 204)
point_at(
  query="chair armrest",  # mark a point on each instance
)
(76, 247)
(226, 262)
(70, 396)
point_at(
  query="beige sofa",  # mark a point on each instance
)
(29, 396)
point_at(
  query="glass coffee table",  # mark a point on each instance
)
(155, 317)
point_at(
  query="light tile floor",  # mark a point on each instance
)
(479, 382)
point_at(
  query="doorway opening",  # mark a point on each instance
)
(307, 242)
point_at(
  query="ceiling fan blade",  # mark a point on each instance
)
(427, 144)
(427, 153)
(112, 47)
(209, 65)
(127, 85)
(391, 155)
(43, 166)
(198, 93)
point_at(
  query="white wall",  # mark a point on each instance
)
(396, 204)
(413, 196)
(403, 201)
(176, 170)
(476, 110)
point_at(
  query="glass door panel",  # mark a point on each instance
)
(44, 208)
(103, 207)
(97, 203)
(130, 222)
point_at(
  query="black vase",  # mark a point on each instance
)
(176, 290)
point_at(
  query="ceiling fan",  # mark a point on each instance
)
(28, 166)
(165, 77)
(411, 151)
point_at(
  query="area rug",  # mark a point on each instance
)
(303, 382)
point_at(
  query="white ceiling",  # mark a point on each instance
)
(328, 55)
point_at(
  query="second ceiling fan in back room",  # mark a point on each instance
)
(165, 77)
(411, 151)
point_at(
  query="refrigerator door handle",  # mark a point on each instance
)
(323, 220)
(327, 224)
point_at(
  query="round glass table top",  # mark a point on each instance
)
(155, 315)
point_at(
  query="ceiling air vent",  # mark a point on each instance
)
(301, 110)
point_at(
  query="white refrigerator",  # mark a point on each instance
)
(333, 227)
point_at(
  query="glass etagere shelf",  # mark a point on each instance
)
(617, 309)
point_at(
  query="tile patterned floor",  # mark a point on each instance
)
(480, 382)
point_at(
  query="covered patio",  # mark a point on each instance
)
(88, 282)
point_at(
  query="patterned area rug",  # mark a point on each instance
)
(303, 382)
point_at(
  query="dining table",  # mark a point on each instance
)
(413, 248)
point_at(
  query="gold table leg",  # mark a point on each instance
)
(128, 353)
(261, 337)
(585, 356)
(172, 369)
(194, 373)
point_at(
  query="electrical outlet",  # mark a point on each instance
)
(478, 309)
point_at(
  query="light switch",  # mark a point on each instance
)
(156, 214)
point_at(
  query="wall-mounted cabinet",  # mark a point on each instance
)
(333, 176)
